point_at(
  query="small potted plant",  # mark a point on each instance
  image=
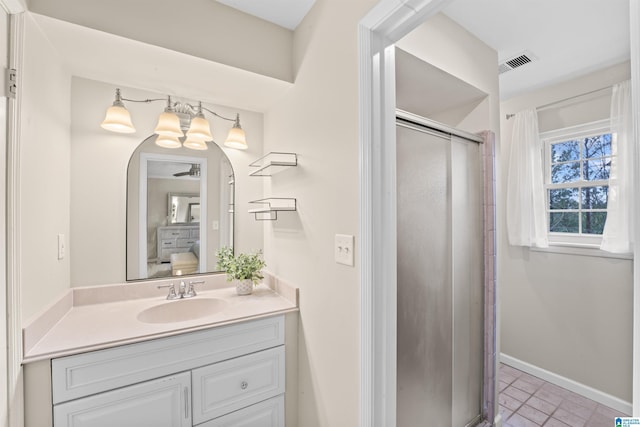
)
(244, 269)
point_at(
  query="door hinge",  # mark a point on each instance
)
(12, 82)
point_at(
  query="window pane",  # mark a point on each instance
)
(597, 169)
(593, 222)
(565, 151)
(563, 222)
(565, 172)
(595, 197)
(597, 146)
(564, 198)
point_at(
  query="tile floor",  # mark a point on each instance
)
(528, 401)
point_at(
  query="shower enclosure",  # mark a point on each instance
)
(440, 344)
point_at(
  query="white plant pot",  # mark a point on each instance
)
(244, 287)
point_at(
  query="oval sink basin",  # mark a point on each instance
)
(181, 310)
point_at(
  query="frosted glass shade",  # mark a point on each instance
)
(169, 125)
(236, 139)
(199, 129)
(195, 144)
(168, 141)
(118, 120)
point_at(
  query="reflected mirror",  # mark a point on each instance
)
(179, 210)
(184, 208)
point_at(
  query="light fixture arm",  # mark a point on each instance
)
(218, 115)
(176, 106)
(139, 100)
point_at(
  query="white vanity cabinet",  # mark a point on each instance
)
(226, 376)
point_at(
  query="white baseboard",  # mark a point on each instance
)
(574, 386)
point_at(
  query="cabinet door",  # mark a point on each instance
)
(269, 413)
(164, 402)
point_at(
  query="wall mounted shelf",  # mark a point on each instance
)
(273, 163)
(271, 206)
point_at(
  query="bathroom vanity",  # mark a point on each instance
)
(235, 367)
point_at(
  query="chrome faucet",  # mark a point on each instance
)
(172, 291)
(183, 291)
(191, 292)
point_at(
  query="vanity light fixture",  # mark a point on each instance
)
(176, 118)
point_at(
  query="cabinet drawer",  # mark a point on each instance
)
(159, 403)
(185, 243)
(234, 384)
(94, 372)
(269, 413)
(168, 243)
(195, 233)
(174, 234)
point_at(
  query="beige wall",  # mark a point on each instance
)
(202, 28)
(444, 44)
(568, 314)
(99, 161)
(318, 119)
(44, 172)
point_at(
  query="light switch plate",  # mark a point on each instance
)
(343, 249)
(61, 246)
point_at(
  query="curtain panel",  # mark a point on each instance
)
(617, 234)
(526, 209)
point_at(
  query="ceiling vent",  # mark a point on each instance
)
(515, 62)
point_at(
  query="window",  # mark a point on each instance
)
(577, 166)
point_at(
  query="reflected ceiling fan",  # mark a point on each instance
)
(193, 171)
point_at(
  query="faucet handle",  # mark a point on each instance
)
(192, 292)
(172, 291)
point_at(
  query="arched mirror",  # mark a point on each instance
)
(179, 210)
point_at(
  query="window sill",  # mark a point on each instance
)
(581, 250)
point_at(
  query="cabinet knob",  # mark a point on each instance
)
(244, 385)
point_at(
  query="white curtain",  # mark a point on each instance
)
(617, 234)
(526, 210)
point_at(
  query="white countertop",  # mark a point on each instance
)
(85, 320)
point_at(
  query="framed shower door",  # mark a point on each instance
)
(440, 352)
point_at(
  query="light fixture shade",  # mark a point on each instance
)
(118, 120)
(169, 125)
(195, 144)
(199, 129)
(168, 141)
(236, 139)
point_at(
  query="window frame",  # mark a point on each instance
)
(577, 240)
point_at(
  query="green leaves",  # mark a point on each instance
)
(241, 267)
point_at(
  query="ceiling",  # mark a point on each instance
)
(286, 13)
(568, 38)
(167, 169)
